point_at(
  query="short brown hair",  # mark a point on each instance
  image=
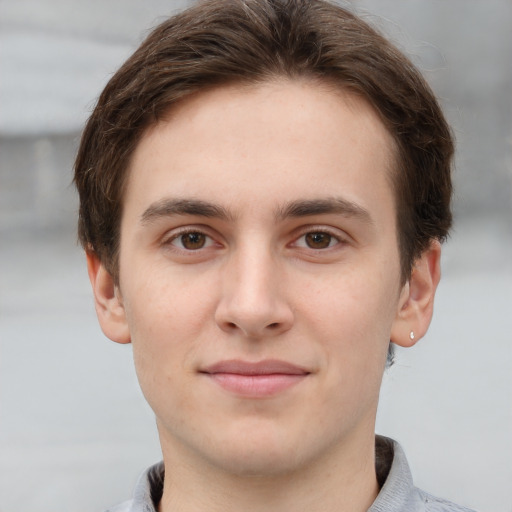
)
(219, 42)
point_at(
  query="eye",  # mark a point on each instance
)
(317, 240)
(191, 241)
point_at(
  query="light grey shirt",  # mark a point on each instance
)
(397, 493)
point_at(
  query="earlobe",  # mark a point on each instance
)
(109, 306)
(416, 303)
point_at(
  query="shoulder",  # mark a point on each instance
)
(434, 504)
(122, 507)
(398, 492)
(147, 493)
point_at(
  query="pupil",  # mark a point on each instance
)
(318, 240)
(193, 240)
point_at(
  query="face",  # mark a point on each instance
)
(259, 274)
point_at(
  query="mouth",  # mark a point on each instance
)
(255, 380)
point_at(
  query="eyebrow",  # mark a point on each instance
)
(331, 205)
(169, 206)
(300, 208)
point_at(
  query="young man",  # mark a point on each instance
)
(264, 187)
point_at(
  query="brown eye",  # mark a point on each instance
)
(318, 240)
(192, 241)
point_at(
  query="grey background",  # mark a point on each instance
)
(74, 428)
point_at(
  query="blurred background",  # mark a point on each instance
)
(75, 431)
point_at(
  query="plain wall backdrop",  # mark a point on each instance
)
(75, 431)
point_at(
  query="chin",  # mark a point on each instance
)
(259, 462)
(258, 450)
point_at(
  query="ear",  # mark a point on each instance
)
(108, 301)
(416, 302)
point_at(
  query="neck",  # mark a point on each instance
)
(344, 480)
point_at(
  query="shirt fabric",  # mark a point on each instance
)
(397, 493)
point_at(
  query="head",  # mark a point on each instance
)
(228, 42)
(302, 228)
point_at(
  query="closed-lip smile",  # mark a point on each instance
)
(255, 379)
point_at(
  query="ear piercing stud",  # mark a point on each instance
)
(411, 335)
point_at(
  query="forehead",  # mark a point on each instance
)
(236, 139)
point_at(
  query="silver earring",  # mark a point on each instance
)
(411, 335)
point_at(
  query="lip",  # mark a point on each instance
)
(255, 379)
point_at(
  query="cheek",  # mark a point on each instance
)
(353, 316)
(164, 344)
(165, 304)
(360, 302)
(166, 319)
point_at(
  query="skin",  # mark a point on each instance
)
(259, 224)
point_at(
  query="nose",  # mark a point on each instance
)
(253, 300)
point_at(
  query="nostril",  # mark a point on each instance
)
(273, 325)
